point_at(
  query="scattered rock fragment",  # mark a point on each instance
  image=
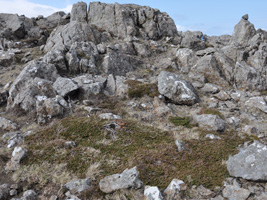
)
(127, 179)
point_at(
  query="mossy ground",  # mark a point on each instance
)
(181, 121)
(212, 111)
(138, 89)
(151, 150)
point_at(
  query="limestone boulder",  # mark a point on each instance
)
(250, 163)
(177, 89)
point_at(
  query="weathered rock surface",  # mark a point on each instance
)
(65, 86)
(258, 103)
(18, 155)
(210, 122)
(174, 187)
(124, 20)
(7, 125)
(177, 89)
(235, 193)
(79, 12)
(29, 195)
(250, 163)
(127, 179)
(25, 88)
(152, 193)
(78, 186)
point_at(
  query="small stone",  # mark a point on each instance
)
(212, 137)
(152, 193)
(235, 193)
(69, 144)
(180, 145)
(109, 116)
(29, 195)
(127, 179)
(78, 186)
(174, 187)
(13, 192)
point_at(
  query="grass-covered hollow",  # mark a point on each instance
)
(181, 121)
(151, 150)
(138, 89)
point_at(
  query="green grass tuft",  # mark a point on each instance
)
(138, 89)
(180, 121)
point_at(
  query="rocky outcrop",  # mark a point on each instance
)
(177, 89)
(124, 20)
(127, 179)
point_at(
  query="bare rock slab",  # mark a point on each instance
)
(250, 163)
(127, 179)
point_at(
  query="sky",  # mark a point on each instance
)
(212, 17)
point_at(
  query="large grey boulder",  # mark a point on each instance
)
(65, 86)
(246, 76)
(127, 179)
(63, 37)
(79, 12)
(207, 70)
(122, 20)
(250, 163)
(209, 122)
(90, 85)
(177, 89)
(243, 32)
(12, 23)
(35, 79)
(78, 186)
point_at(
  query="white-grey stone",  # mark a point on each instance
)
(177, 89)
(174, 187)
(250, 163)
(152, 193)
(257, 102)
(180, 145)
(78, 186)
(18, 155)
(235, 193)
(109, 116)
(209, 122)
(29, 195)
(212, 137)
(6, 124)
(127, 179)
(64, 86)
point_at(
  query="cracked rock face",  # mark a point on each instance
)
(177, 89)
(250, 163)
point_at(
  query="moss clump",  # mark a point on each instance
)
(138, 89)
(181, 121)
(212, 111)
